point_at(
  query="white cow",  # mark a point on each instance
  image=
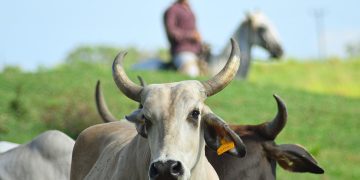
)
(46, 157)
(173, 125)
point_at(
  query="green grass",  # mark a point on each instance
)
(330, 77)
(322, 99)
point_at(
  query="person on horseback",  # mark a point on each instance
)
(183, 36)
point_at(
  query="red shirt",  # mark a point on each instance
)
(180, 27)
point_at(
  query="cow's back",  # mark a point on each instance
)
(99, 141)
(48, 156)
(5, 146)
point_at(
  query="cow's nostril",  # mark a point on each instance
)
(176, 169)
(153, 172)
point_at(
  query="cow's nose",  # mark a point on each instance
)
(166, 170)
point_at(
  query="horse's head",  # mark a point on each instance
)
(263, 33)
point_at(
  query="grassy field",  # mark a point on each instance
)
(332, 77)
(323, 100)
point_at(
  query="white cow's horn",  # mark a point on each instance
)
(129, 88)
(224, 77)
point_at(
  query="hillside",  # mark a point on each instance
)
(323, 100)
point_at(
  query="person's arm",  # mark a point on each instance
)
(175, 32)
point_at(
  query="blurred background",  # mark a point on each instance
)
(52, 54)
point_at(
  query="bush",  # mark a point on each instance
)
(71, 117)
(17, 105)
(12, 69)
(99, 54)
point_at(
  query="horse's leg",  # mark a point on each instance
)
(244, 68)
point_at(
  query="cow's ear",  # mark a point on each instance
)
(293, 158)
(219, 137)
(140, 122)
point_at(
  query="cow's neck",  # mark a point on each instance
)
(134, 161)
(143, 155)
(203, 169)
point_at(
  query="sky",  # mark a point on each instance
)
(41, 32)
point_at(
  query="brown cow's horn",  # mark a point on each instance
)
(101, 105)
(273, 128)
(129, 88)
(224, 77)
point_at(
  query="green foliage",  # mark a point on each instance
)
(12, 69)
(98, 54)
(17, 106)
(70, 115)
(322, 99)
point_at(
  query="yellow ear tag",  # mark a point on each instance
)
(225, 146)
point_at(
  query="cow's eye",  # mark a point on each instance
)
(147, 122)
(195, 114)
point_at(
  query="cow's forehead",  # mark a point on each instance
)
(166, 97)
(173, 91)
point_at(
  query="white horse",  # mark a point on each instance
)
(255, 29)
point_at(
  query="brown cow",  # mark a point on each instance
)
(263, 152)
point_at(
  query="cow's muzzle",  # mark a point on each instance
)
(166, 170)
